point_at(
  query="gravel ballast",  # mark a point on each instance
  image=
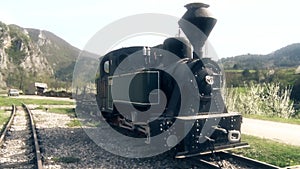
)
(69, 147)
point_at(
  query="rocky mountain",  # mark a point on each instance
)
(28, 55)
(288, 56)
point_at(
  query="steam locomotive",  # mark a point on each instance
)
(145, 91)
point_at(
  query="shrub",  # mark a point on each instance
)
(262, 99)
(296, 90)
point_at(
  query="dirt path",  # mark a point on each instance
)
(281, 132)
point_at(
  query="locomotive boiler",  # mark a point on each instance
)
(144, 91)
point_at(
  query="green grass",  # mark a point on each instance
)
(269, 151)
(74, 123)
(40, 107)
(275, 119)
(238, 70)
(92, 124)
(68, 111)
(3, 117)
(241, 90)
(8, 101)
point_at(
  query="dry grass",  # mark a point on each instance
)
(261, 99)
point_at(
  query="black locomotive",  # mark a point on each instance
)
(132, 80)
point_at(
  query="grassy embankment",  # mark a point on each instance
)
(275, 119)
(269, 151)
(8, 101)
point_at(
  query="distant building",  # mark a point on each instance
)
(37, 88)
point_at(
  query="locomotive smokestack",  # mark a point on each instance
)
(197, 24)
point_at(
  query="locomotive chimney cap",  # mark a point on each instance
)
(198, 15)
(196, 5)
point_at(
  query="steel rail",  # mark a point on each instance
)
(35, 139)
(246, 160)
(202, 161)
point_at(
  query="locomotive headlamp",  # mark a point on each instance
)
(209, 79)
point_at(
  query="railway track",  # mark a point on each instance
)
(19, 143)
(224, 160)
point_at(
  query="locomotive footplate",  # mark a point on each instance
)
(210, 133)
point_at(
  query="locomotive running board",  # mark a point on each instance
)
(208, 116)
(217, 149)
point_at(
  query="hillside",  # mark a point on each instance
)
(288, 56)
(28, 55)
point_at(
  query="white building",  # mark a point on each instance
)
(37, 88)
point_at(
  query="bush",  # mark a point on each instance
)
(296, 90)
(297, 114)
(267, 99)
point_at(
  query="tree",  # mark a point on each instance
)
(246, 73)
(257, 75)
(295, 91)
(236, 66)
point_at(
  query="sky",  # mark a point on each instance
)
(244, 26)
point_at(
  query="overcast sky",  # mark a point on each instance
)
(244, 26)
